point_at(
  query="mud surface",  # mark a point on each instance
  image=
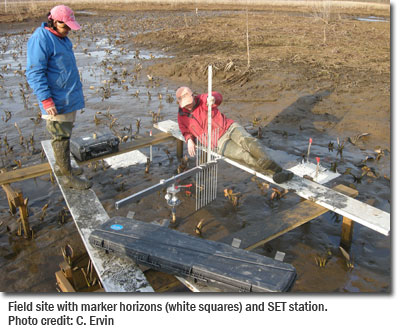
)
(328, 79)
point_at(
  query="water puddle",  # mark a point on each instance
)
(372, 19)
(84, 12)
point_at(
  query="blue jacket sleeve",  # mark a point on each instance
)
(36, 68)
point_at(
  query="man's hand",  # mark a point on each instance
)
(191, 148)
(51, 111)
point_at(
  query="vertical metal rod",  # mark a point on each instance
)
(209, 172)
(206, 188)
(203, 191)
(216, 168)
(197, 187)
(203, 184)
(216, 182)
(317, 169)
(210, 193)
(213, 170)
(211, 183)
(309, 149)
(204, 180)
(209, 111)
(199, 201)
(200, 177)
(197, 174)
(201, 180)
(151, 147)
(173, 215)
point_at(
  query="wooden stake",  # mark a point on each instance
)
(10, 198)
(16, 199)
(23, 213)
(63, 283)
(11, 195)
(347, 233)
(179, 149)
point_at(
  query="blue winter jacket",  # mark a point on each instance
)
(51, 71)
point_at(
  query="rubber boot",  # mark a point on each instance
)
(282, 176)
(63, 160)
(75, 171)
(267, 165)
(278, 175)
(256, 149)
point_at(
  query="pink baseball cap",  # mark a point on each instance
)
(64, 14)
(184, 96)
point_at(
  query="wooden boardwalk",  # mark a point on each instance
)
(34, 171)
(116, 274)
(258, 234)
(122, 275)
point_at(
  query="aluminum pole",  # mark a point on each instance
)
(209, 111)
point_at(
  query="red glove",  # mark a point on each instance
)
(49, 106)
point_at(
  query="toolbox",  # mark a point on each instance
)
(211, 263)
(96, 145)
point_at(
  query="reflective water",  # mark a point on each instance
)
(372, 19)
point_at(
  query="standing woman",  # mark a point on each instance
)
(52, 73)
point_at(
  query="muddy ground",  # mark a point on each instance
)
(307, 75)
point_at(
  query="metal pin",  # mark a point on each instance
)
(212, 167)
(309, 148)
(151, 148)
(197, 176)
(204, 177)
(216, 167)
(203, 182)
(316, 171)
(209, 171)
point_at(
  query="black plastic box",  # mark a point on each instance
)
(212, 263)
(96, 145)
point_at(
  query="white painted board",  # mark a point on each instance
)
(337, 202)
(116, 274)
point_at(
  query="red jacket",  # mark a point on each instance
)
(194, 124)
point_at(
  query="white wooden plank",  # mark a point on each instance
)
(116, 274)
(339, 203)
